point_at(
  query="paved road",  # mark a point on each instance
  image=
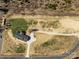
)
(13, 57)
(21, 57)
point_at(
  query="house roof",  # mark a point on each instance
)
(22, 37)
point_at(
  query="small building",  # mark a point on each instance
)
(22, 36)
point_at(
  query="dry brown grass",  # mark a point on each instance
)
(63, 45)
(9, 46)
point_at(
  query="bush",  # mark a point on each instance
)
(68, 1)
(52, 6)
(32, 22)
(50, 42)
(56, 24)
(20, 49)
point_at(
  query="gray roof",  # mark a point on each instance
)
(22, 37)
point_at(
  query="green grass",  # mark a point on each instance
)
(18, 24)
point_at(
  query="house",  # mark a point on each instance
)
(22, 36)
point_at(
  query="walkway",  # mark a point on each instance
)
(53, 33)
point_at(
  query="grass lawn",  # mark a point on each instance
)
(18, 24)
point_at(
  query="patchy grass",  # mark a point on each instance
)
(12, 47)
(54, 24)
(48, 45)
(21, 24)
(50, 42)
(20, 48)
(51, 6)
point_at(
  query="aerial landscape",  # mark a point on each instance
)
(39, 29)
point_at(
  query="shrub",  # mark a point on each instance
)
(50, 42)
(20, 48)
(52, 6)
(68, 1)
(56, 24)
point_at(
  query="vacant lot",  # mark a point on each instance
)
(49, 45)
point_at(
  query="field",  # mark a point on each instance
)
(18, 24)
(49, 45)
